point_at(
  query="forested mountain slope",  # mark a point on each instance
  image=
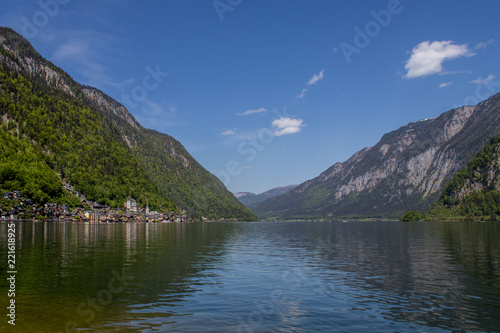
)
(79, 135)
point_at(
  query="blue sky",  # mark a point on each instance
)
(270, 93)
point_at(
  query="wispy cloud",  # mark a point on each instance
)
(445, 84)
(73, 49)
(463, 71)
(172, 108)
(427, 57)
(155, 122)
(78, 51)
(287, 125)
(302, 93)
(481, 81)
(316, 78)
(249, 112)
(85, 50)
(312, 81)
(156, 115)
(121, 84)
(483, 45)
(151, 108)
(229, 132)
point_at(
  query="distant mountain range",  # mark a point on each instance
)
(405, 170)
(251, 199)
(55, 130)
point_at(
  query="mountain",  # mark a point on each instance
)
(405, 170)
(474, 192)
(251, 199)
(244, 196)
(169, 165)
(78, 135)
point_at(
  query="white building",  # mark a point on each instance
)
(131, 205)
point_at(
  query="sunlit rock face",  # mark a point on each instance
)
(406, 169)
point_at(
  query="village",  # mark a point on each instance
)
(26, 209)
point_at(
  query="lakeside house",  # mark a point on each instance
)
(93, 216)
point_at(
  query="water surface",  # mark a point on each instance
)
(255, 277)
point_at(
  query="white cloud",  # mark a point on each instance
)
(155, 122)
(172, 108)
(151, 108)
(464, 71)
(248, 112)
(427, 57)
(122, 84)
(155, 109)
(483, 45)
(86, 52)
(302, 93)
(73, 49)
(287, 125)
(155, 115)
(316, 78)
(80, 53)
(229, 132)
(445, 84)
(480, 80)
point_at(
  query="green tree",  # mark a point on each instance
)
(412, 216)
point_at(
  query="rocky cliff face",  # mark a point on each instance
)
(20, 55)
(423, 172)
(405, 170)
(109, 107)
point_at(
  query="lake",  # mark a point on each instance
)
(254, 277)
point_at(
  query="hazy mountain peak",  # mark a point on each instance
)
(252, 199)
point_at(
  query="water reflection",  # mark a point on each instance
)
(65, 270)
(257, 277)
(441, 275)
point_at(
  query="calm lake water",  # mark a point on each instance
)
(255, 277)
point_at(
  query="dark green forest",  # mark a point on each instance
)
(79, 146)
